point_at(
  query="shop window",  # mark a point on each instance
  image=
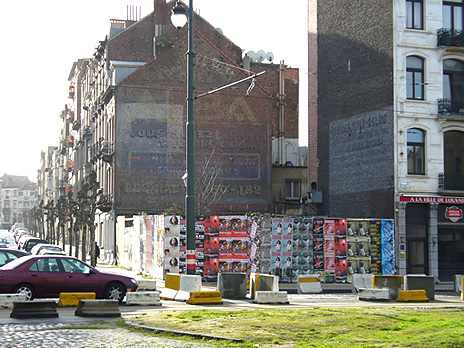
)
(416, 151)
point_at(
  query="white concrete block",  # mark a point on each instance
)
(190, 283)
(6, 300)
(458, 282)
(146, 285)
(374, 294)
(309, 288)
(361, 281)
(271, 297)
(182, 296)
(168, 294)
(143, 298)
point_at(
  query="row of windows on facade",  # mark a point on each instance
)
(452, 14)
(16, 204)
(453, 79)
(15, 193)
(453, 152)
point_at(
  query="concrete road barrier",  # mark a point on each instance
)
(232, 285)
(361, 281)
(146, 285)
(271, 297)
(412, 296)
(34, 309)
(374, 294)
(458, 283)
(7, 300)
(71, 299)
(98, 308)
(309, 284)
(205, 297)
(263, 282)
(392, 282)
(172, 281)
(143, 298)
(420, 282)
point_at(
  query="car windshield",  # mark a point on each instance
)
(53, 248)
(3, 240)
(15, 263)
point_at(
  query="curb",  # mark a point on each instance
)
(182, 333)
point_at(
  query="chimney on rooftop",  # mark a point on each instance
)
(160, 21)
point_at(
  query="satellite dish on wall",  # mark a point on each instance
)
(260, 55)
(269, 56)
(252, 55)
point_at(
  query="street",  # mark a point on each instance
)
(72, 331)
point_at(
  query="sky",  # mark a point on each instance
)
(41, 40)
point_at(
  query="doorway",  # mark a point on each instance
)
(417, 239)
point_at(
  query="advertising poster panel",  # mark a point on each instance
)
(334, 245)
(233, 244)
(211, 248)
(358, 246)
(388, 248)
(341, 263)
(281, 247)
(375, 251)
(171, 244)
(199, 247)
(302, 254)
(318, 245)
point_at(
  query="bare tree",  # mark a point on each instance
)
(208, 184)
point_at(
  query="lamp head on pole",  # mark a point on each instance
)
(179, 15)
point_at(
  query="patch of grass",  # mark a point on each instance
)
(360, 327)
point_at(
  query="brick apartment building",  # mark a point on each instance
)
(125, 121)
(386, 124)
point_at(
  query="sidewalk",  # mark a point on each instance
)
(291, 288)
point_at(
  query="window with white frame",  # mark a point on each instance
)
(292, 189)
(414, 14)
(416, 151)
(415, 78)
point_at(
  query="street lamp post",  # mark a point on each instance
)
(178, 19)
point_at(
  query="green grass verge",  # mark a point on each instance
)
(360, 327)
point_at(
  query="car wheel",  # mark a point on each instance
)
(115, 291)
(25, 289)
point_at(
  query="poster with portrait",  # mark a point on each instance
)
(282, 248)
(211, 248)
(172, 244)
(233, 243)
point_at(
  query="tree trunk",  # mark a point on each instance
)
(71, 236)
(84, 242)
(93, 255)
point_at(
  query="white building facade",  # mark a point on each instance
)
(428, 83)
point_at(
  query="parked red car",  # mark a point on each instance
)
(48, 275)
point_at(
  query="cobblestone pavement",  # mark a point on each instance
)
(61, 335)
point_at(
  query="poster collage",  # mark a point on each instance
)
(333, 248)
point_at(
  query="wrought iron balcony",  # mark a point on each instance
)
(448, 106)
(450, 37)
(451, 182)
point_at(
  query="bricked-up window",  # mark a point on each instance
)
(414, 17)
(453, 13)
(416, 152)
(415, 77)
(292, 189)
